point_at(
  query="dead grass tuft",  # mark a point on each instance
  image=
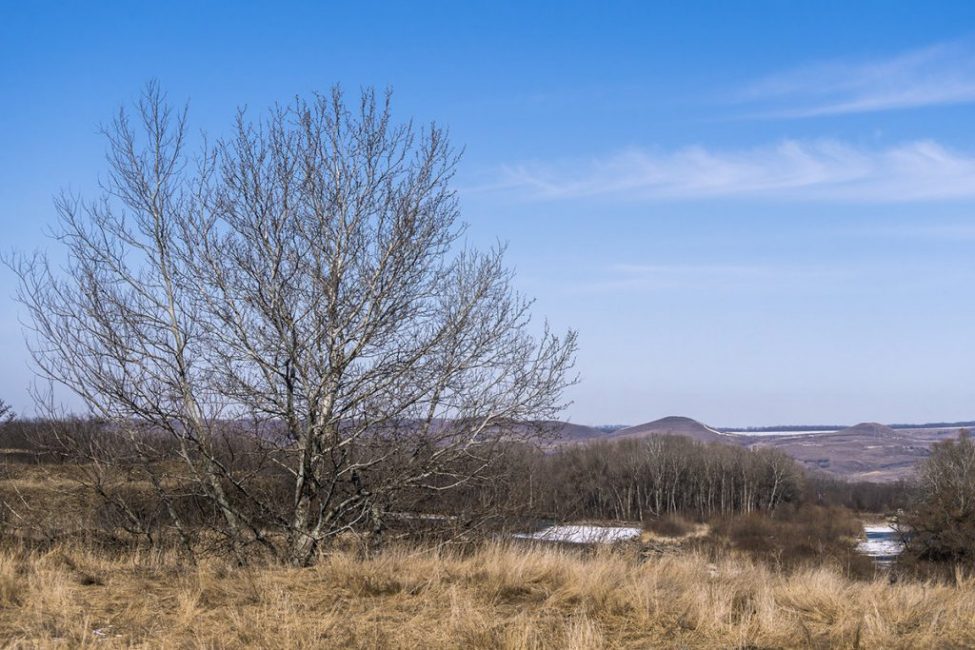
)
(496, 597)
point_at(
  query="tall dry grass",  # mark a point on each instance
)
(496, 597)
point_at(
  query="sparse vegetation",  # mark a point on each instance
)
(70, 574)
(669, 526)
(802, 537)
(940, 525)
(490, 597)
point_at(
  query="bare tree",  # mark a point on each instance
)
(940, 525)
(6, 412)
(297, 313)
(658, 476)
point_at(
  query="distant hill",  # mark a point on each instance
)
(813, 428)
(610, 428)
(874, 429)
(568, 432)
(672, 426)
(868, 451)
(783, 428)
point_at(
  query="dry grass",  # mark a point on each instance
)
(497, 597)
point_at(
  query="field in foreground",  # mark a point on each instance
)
(496, 597)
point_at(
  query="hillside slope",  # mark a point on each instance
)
(864, 452)
(674, 426)
(868, 451)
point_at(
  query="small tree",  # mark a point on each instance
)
(295, 314)
(941, 524)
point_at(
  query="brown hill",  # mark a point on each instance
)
(673, 426)
(568, 432)
(868, 429)
(868, 451)
(865, 452)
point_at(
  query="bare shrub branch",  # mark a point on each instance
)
(295, 313)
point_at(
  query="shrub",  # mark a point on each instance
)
(796, 538)
(942, 519)
(669, 526)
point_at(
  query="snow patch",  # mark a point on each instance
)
(759, 434)
(882, 541)
(583, 534)
(878, 529)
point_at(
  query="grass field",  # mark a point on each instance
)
(495, 597)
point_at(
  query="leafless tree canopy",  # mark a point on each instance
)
(293, 312)
(941, 524)
(6, 412)
(631, 480)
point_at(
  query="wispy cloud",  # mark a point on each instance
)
(819, 170)
(937, 75)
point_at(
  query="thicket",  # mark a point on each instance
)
(635, 480)
(757, 502)
(859, 496)
(644, 480)
(939, 526)
(797, 536)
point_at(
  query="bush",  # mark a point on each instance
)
(669, 526)
(795, 538)
(941, 522)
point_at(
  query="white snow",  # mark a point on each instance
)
(882, 541)
(759, 434)
(879, 529)
(582, 534)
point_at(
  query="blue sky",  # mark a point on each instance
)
(754, 213)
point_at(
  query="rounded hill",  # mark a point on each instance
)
(871, 429)
(673, 426)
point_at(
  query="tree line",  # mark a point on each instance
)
(634, 480)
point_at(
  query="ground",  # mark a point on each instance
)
(518, 596)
